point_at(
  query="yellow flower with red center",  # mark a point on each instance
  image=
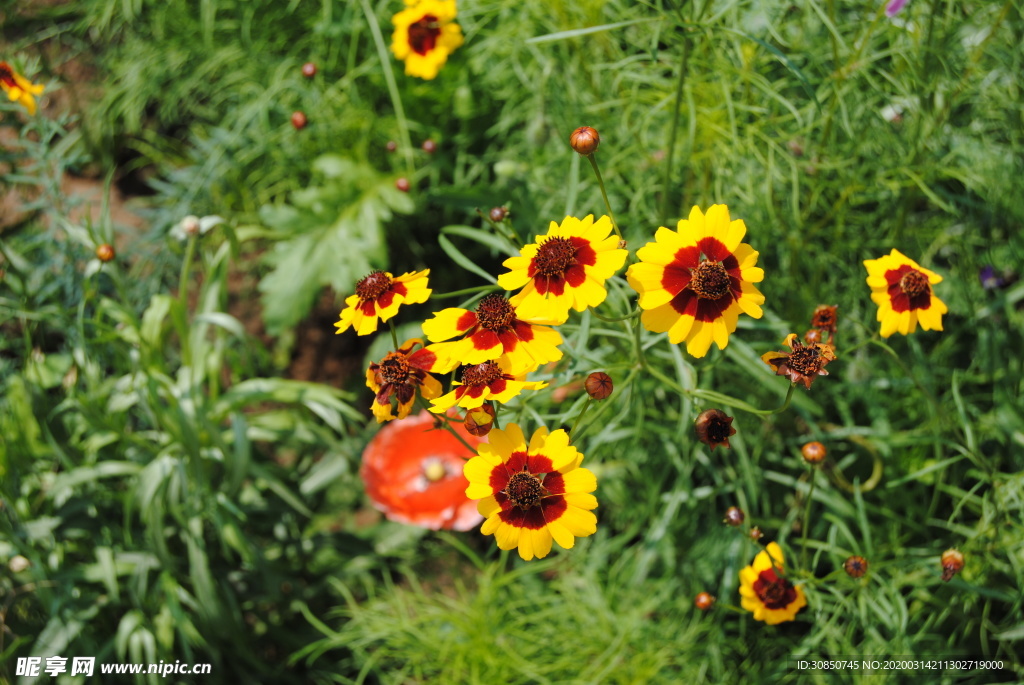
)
(482, 382)
(565, 269)
(766, 592)
(18, 88)
(694, 282)
(532, 494)
(400, 375)
(379, 295)
(903, 292)
(425, 34)
(492, 330)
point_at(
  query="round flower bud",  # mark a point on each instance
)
(585, 140)
(309, 70)
(814, 452)
(403, 184)
(299, 120)
(734, 516)
(599, 385)
(18, 563)
(952, 563)
(704, 601)
(855, 566)
(105, 253)
(391, 146)
(714, 427)
(812, 336)
(479, 421)
(498, 214)
(755, 534)
(429, 146)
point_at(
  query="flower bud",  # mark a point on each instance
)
(391, 146)
(734, 516)
(498, 214)
(429, 146)
(479, 421)
(599, 385)
(755, 534)
(714, 427)
(18, 563)
(814, 452)
(855, 566)
(952, 563)
(585, 140)
(704, 601)
(812, 336)
(403, 184)
(309, 70)
(105, 253)
(299, 120)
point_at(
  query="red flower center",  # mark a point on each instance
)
(7, 75)
(709, 280)
(554, 257)
(373, 286)
(773, 591)
(495, 313)
(423, 34)
(914, 283)
(481, 374)
(524, 489)
(394, 368)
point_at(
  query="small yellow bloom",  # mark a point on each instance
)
(490, 380)
(766, 592)
(903, 292)
(18, 88)
(425, 34)
(379, 295)
(400, 375)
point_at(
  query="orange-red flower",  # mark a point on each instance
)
(413, 473)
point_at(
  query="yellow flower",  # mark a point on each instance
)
(565, 269)
(765, 592)
(903, 292)
(400, 374)
(379, 295)
(490, 380)
(425, 34)
(694, 282)
(18, 88)
(490, 331)
(532, 494)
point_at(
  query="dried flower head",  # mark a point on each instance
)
(704, 601)
(825, 318)
(855, 566)
(755, 534)
(804, 363)
(585, 140)
(599, 385)
(714, 427)
(812, 336)
(734, 516)
(952, 563)
(814, 452)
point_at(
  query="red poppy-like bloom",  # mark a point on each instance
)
(490, 331)
(400, 374)
(413, 473)
(379, 295)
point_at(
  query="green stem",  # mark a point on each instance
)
(389, 78)
(807, 521)
(394, 334)
(464, 291)
(186, 266)
(670, 155)
(600, 181)
(590, 401)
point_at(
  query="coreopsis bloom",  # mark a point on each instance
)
(565, 269)
(804, 363)
(487, 381)
(18, 88)
(425, 34)
(492, 330)
(532, 494)
(903, 292)
(400, 374)
(766, 592)
(379, 295)
(694, 282)
(413, 473)
(713, 427)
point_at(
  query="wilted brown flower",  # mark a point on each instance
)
(812, 336)
(480, 420)
(599, 385)
(734, 516)
(952, 563)
(585, 140)
(855, 566)
(704, 601)
(825, 318)
(714, 427)
(804, 363)
(814, 452)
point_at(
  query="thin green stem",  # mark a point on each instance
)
(807, 521)
(600, 181)
(389, 78)
(666, 194)
(464, 291)
(590, 401)
(394, 333)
